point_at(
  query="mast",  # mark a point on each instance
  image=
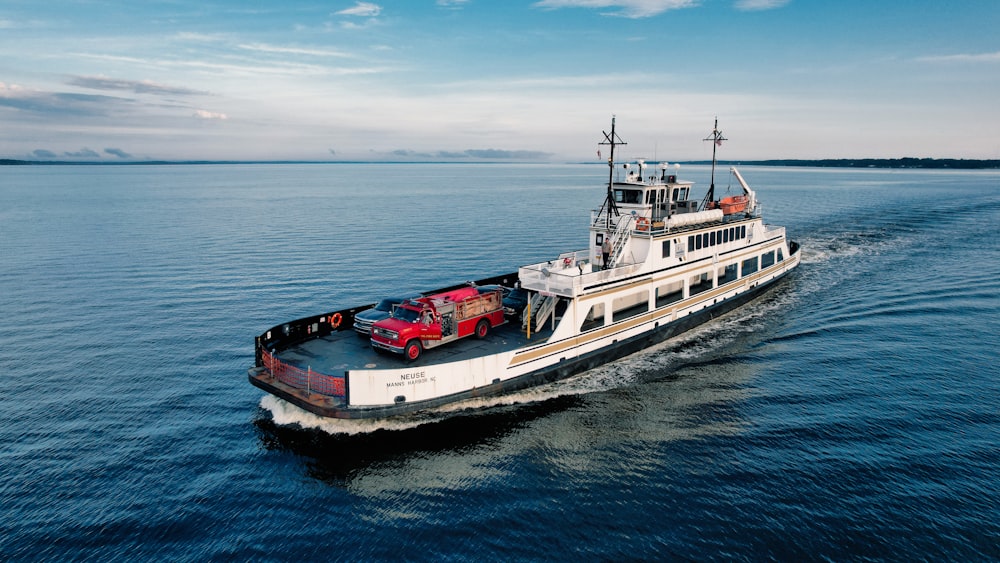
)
(716, 138)
(609, 201)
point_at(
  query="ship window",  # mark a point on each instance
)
(767, 259)
(630, 305)
(699, 283)
(628, 196)
(690, 243)
(780, 256)
(712, 239)
(725, 235)
(727, 274)
(732, 233)
(697, 242)
(670, 293)
(743, 231)
(594, 318)
(749, 266)
(704, 240)
(666, 248)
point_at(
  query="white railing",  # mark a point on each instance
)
(547, 277)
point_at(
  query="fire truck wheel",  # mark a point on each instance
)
(482, 328)
(412, 350)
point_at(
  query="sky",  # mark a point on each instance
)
(473, 80)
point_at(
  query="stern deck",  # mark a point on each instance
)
(345, 350)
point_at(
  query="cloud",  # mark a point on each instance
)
(450, 154)
(483, 154)
(83, 153)
(627, 8)
(362, 9)
(963, 58)
(139, 87)
(504, 154)
(648, 8)
(42, 153)
(200, 37)
(757, 5)
(405, 152)
(454, 4)
(264, 48)
(489, 154)
(203, 114)
(57, 103)
(118, 152)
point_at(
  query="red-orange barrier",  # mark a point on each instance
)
(307, 379)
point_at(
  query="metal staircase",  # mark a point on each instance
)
(620, 240)
(541, 307)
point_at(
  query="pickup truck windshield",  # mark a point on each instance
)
(408, 315)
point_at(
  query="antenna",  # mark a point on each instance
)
(716, 138)
(609, 202)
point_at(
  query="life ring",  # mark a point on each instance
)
(642, 224)
(335, 320)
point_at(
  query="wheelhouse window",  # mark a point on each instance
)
(666, 249)
(628, 196)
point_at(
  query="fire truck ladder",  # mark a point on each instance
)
(541, 306)
(619, 239)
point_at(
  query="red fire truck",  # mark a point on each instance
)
(434, 320)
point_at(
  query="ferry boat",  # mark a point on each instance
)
(658, 264)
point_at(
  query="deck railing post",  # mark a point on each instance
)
(308, 380)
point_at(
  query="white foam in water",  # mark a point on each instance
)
(286, 414)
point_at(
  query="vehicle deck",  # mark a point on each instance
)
(346, 350)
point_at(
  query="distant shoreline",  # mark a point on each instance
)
(922, 163)
(907, 162)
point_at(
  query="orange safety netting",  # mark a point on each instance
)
(312, 381)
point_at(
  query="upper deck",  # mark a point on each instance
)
(571, 273)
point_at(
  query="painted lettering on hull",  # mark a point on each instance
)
(410, 378)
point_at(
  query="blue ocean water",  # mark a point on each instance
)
(853, 413)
